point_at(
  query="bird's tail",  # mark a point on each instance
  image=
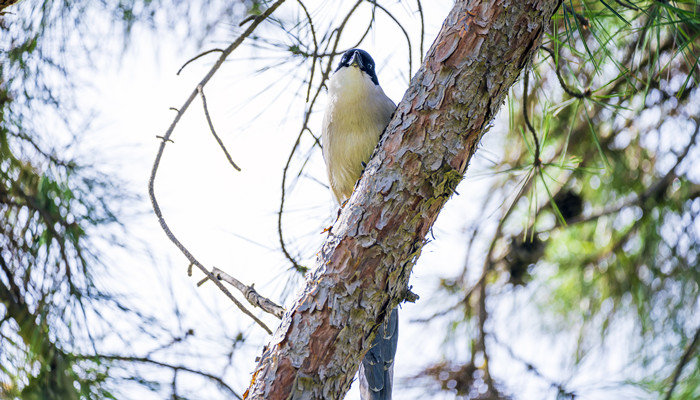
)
(377, 368)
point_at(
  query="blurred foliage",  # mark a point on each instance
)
(48, 203)
(56, 210)
(603, 232)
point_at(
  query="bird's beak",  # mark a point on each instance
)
(356, 60)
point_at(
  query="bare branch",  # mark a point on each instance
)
(562, 83)
(422, 28)
(304, 127)
(481, 341)
(211, 127)
(561, 390)
(146, 360)
(689, 351)
(248, 291)
(537, 162)
(197, 57)
(166, 137)
(315, 53)
(408, 38)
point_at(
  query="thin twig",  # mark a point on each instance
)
(530, 367)
(173, 385)
(562, 83)
(627, 5)
(166, 137)
(481, 343)
(211, 127)
(146, 360)
(526, 83)
(583, 21)
(247, 19)
(51, 157)
(422, 29)
(408, 38)
(315, 53)
(175, 340)
(196, 57)
(329, 66)
(683, 361)
(248, 291)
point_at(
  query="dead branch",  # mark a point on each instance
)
(248, 291)
(166, 137)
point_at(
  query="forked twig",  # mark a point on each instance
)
(166, 137)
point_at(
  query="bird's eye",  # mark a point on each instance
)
(370, 66)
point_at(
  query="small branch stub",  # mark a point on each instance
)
(249, 292)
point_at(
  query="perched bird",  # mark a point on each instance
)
(358, 111)
(356, 115)
(377, 369)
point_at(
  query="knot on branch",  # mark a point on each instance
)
(164, 139)
(408, 296)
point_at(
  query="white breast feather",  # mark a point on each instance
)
(357, 113)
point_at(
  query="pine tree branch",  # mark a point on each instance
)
(363, 268)
(166, 139)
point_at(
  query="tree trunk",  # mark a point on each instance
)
(363, 268)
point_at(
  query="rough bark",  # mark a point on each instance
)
(363, 268)
(6, 3)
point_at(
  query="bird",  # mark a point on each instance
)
(357, 113)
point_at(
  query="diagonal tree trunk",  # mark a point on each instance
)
(362, 271)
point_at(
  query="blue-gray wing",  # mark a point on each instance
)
(377, 368)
